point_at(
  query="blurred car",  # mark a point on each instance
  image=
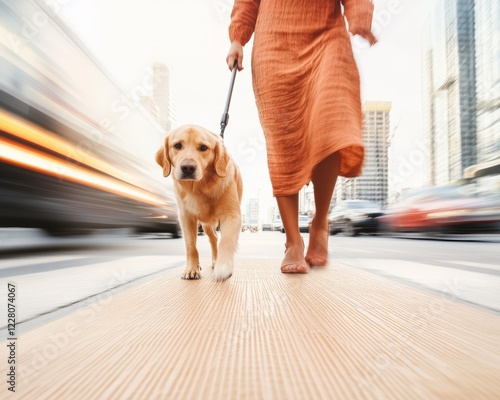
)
(354, 216)
(267, 227)
(277, 225)
(304, 223)
(444, 209)
(164, 220)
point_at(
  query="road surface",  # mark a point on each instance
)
(57, 275)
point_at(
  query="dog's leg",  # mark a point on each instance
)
(189, 226)
(230, 227)
(212, 238)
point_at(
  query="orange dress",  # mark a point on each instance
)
(306, 83)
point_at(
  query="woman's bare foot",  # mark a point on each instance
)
(294, 262)
(317, 251)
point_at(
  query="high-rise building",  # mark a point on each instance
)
(162, 95)
(449, 89)
(373, 183)
(148, 104)
(487, 32)
(252, 212)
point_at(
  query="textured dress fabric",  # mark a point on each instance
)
(306, 83)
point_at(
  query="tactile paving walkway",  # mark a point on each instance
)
(336, 333)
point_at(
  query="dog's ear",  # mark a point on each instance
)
(162, 159)
(221, 159)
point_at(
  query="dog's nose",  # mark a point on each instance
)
(188, 167)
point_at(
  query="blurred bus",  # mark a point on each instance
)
(76, 154)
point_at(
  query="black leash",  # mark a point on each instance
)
(225, 116)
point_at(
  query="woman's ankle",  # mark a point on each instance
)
(319, 223)
(294, 241)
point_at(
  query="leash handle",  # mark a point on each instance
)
(225, 115)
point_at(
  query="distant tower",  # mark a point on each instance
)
(148, 103)
(162, 95)
(373, 183)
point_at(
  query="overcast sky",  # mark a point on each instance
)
(191, 38)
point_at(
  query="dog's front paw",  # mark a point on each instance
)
(223, 271)
(192, 273)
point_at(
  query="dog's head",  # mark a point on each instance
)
(190, 151)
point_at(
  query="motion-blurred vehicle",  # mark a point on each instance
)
(277, 224)
(76, 153)
(444, 209)
(304, 221)
(353, 217)
(267, 226)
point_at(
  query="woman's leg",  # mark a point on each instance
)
(324, 178)
(294, 261)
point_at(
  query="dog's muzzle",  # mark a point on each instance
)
(188, 169)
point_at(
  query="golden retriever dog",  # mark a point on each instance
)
(208, 188)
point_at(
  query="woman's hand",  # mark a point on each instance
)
(235, 53)
(367, 35)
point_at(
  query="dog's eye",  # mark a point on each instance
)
(203, 147)
(178, 146)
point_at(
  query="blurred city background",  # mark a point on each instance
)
(89, 89)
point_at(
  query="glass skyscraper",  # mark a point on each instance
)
(487, 36)
(450, 89)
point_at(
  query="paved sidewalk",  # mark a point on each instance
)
(336, 333)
